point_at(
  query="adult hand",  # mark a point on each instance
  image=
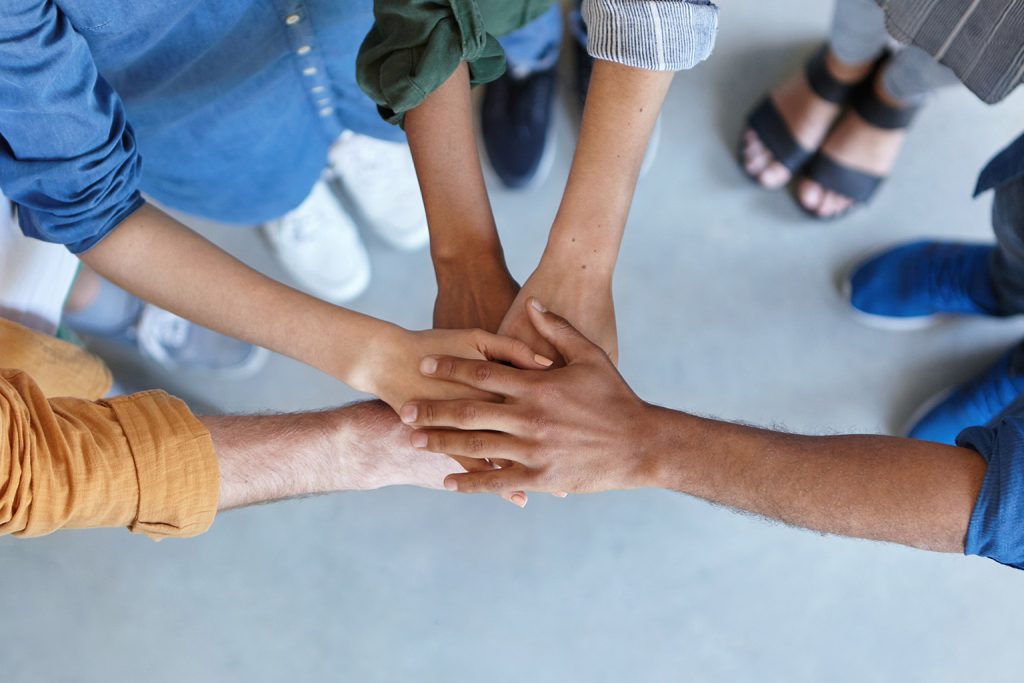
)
(582, 297)
(390, 366)
(577, 429)
(473, 294)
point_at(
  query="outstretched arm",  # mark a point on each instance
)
(152, 255)
(580, 429)
(474, 287)
(575, 272)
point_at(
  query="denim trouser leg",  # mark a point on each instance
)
(1008, 260)
(534, 47)
(859, 35)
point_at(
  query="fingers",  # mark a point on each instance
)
(478, 374)
(485, 445)
(510, 350)
(495, 481)
(517, 498)
(569, 341)
(463, 414)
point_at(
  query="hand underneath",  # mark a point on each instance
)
(390, 368)
(476, 294)
(577, 429)
(584, 299)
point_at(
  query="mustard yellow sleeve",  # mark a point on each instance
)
(141, 461)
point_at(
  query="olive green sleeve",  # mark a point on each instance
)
(415, 45)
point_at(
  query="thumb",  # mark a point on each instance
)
(569, 341)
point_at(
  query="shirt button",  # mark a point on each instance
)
(324, 101)
(309, 71)
(292, 19)
(317, 89)
(326, 111)
(304, 50)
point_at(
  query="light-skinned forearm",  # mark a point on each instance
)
(621, 109)
(160, 260)
(912, 492)
(444, 150)
(359, 447)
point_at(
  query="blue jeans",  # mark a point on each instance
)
(534, 47)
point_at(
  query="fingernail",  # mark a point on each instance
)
(419, 439)
(542, 360)
(538, 305)
(428, 366)
(408, 413)
(450, 484)
(519, 499)
(562, 494)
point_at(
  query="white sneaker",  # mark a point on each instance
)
(379, 178)
(319, 246)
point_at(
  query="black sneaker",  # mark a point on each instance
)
(516, 123)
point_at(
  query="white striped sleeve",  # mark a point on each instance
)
(660, 35)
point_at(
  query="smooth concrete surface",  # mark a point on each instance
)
(727, 307)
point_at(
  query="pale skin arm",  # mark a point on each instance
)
(581, 429)
(160, 260)
(264, 458)
(575, 272)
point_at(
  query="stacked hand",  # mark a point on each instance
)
(579, 428)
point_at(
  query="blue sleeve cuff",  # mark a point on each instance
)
(996, 528)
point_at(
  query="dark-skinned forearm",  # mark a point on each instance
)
(876, 487)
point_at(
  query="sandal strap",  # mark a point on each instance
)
(832, 175)
(823, 83)
(878, 113)
(770, 127)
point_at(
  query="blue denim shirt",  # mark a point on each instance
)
(232, 106)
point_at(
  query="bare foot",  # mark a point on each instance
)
(807, 116)
(858, 145)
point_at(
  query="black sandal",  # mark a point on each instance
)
(851, 183)
(771, 128)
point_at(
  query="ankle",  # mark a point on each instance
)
(846, 72)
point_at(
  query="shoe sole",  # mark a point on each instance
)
(926, 407)
(844, 285)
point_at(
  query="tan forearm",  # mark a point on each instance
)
(876, 487)
(160, 260)
(621, 109)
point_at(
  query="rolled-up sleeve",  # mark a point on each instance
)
(415, 45)
(658, 35)
(67, 154)
(141, 461)
(996, 528)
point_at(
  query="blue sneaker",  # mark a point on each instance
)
(977, 402)
(516, 127)
(908, 286)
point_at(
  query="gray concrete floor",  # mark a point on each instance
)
(726, 307)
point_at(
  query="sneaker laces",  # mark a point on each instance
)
(160, 330)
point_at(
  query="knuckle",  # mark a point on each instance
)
(429, 413)
(482, 372)
(475, 444)
(467, 413)
(440, 441)
(448, 368)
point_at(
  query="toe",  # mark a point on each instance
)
(774, 176)
(810, 195)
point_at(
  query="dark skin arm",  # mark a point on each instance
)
(581, 429)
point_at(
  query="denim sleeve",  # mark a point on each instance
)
(659, 35)
(996, 528)
(67, 154)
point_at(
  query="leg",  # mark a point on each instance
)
(858, 38)
(903, 82)
(1007, 264)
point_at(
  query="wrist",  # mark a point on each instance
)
(369, 359)
(570, 254)
(454, 257)
(666, 454)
